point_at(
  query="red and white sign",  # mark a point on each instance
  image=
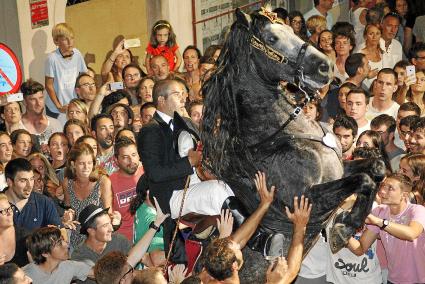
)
(39, 13)
(10, 71)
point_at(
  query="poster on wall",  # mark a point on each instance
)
(39, 13)
(10, 71)
(213, 19)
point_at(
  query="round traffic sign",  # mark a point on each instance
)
(10, 71)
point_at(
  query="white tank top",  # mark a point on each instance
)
(354, 19)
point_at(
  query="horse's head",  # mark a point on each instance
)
(279, 54)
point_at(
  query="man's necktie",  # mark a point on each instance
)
(171, 125)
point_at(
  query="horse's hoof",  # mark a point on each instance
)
(339, 236)
(273, 246)
(378, 170)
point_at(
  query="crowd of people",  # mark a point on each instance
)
(101, 178)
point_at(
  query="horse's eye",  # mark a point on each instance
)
(272, 39)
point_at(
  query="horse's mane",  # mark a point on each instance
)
(221, 128)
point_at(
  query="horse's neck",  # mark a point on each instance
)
(265, 109)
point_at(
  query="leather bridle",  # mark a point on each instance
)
(299, 78)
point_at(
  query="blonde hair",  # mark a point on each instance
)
(62, 30)
(82, 106)
(3, 197)
(314, 22)
(49, 172)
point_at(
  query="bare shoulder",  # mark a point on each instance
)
(104, 180)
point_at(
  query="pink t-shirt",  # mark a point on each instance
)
(406, 260)
(124, 189)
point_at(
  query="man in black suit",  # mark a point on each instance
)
(165, 169)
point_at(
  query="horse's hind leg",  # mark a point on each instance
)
(328, 196)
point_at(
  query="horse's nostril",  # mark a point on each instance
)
(324, 68)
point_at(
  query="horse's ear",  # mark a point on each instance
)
(243, 18)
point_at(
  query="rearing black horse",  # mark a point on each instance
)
(250, 125)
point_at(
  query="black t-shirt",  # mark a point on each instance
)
(20, 258)
(410, 20)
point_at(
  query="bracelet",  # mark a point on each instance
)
(111, 60)
(153, 226)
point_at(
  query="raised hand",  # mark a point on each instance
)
(72, 225)
(276, 271)
(410, 80)
(68, 215)
(119, 48)
(177, 274)
(301, 213)
(266, 196)
(160, 216)
(115, 217)
(225, 224)
(372, 73)
(68, 219)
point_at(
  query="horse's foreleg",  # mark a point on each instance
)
(328, 196)
(375, 168)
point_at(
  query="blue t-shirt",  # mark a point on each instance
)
(39, 212)
(65, 72)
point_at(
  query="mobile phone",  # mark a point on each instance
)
(115, 86)
(130, 43)
(410, 70)
(18, 97)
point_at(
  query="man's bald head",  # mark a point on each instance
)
(160, 67)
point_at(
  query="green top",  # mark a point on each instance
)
(144, 216)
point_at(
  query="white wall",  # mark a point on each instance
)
(30, 45)
(9, 27)
(178, 13)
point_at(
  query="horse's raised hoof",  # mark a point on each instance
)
(378, 170)
(339, 236)
(273, 246)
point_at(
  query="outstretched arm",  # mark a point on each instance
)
(300, 219)
(359, 247)
(408, 232)
(96, 104)
(109, 62)
(245, 232)
(139, 249)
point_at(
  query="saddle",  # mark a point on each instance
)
(202, 226)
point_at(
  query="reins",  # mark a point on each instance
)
(177, 225)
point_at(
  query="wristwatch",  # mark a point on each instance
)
(385, 223)
(153, 226)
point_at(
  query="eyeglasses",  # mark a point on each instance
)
(6, 211)
(130, 271)
(86, 85)
(420, 57)
(131, 76)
